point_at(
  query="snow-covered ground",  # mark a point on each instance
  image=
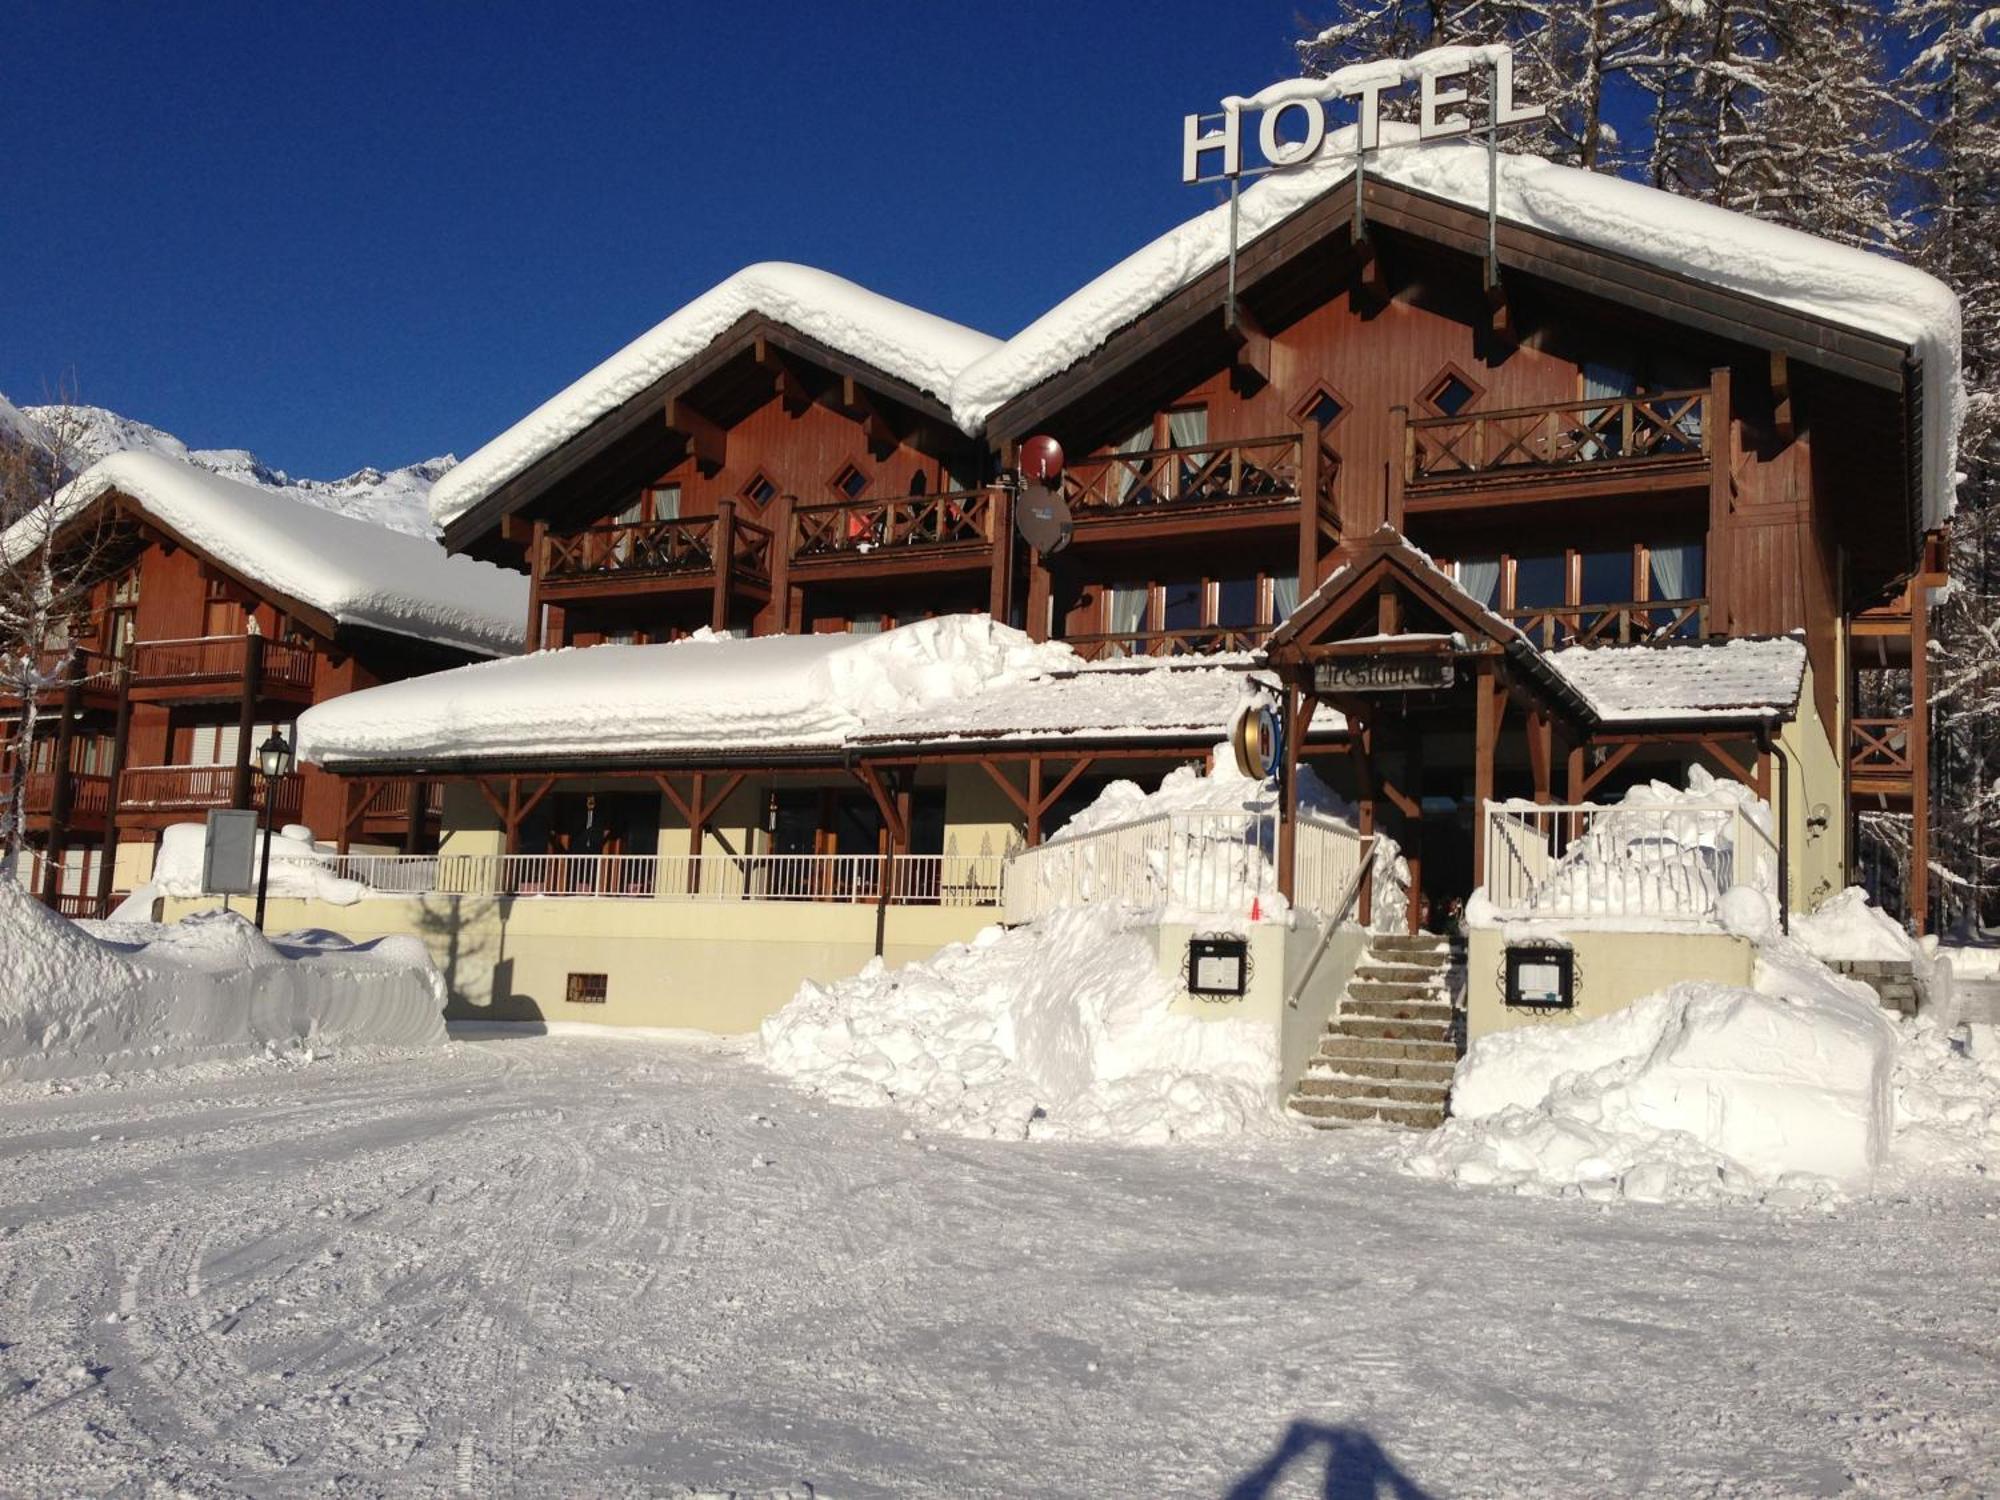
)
(570, 1265)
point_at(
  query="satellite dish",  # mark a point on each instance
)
(1042, 517)
(1041, 460)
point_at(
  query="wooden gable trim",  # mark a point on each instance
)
(753, 333)
(318, 621)
(1375, 574)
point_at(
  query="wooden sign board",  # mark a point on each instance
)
(1383, 674)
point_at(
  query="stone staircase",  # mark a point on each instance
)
(1388, 1052)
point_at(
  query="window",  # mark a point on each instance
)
(1180, 606)
(850, 483)
(1322, 407)
(1539, 582)
(865, 622)
(1606, 577)
(1236, 603)
(1451, 392)
(1480, 577)
(665, 500)
(759, 490)
(587, 989)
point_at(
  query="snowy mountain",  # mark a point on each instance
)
(17, 426)
(396, 498)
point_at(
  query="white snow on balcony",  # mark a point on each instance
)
(1746, 678)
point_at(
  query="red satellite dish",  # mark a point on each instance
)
(1041, 460)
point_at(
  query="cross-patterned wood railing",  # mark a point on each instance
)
(656, 549)
(1604, 624)
(1205, 641)
(893, 523)
(1525, 439)
(1246, 471)
(1879, 747)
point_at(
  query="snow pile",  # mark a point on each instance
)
(395, 498)
(299, 866)
(704, 693)
(918, 348)
(1947, 1087)
(353, 572)
(1059, 1030)
(1702, 1091)
(1851, 288)
(122, 996)
(1850, 927)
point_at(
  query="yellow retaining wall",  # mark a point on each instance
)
(1614, 969)
(1819, 853)
(715, 966)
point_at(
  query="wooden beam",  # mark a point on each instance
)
(1618, 756)
(1541, 751)
(1920, 759)
(1083, 764)
(668, 790)
(885, 804)
(1487, 707)
(795, 392)
(875, 427)
(706, 440)
(1035, 803)
(493, 799)
(1781, 395)
(1250, 365)
(1288, 790)
(1730, 764)
(1000, 780)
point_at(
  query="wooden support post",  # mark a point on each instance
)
(1288, 795)
(1038, 597)
(1781, 396)
(1576, 771)
(783, 541)
(1542, 752)
(1308, 508)
(513, 815)
(725, 554)
(1000, 582)
(1364, 773)
(413, 821)
(697, 816)
(246, 720)
(120, 733)
(1487, 708)
(1402, 460)
(1920, 757)
(1413, 823)
(1035, 803)
(538, 562)
(1718, 435)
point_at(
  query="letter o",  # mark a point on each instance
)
(1290, 153)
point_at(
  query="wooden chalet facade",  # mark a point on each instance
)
(182, 663)
(1599, 453)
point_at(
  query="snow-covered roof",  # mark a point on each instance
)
(1387, 541)
(1746, 678)
(957, 678)
(1140, 699)
(351, 571)
(1848, 287)
(919, 348)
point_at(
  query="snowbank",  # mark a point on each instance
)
(1850, 927)
(351, 571)
(708, 692)
(1062, 1029)
(299, 867)
(116, 996)
(919, 348)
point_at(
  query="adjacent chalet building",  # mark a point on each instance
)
(1507, 514)
(218, 612)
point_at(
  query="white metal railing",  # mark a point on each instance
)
(1668, 862)
(1326, 857)
(914, 879)
(1219, 861)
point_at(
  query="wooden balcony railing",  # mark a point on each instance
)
(1247, 471)
(893, 524)
(656, 549)
(1879, 748)
(197, 788)
(1526, 440)
(1203, 642)
(97, 671)
(393, 802)
(219, 659)
(1603, 624)
(89, 794)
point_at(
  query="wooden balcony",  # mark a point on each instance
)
(898, 533)
(1621, 624)
(645, 556)
(1880, 762)
(89, 794)
(1136, 643)
(96, 680)
(1570, 449)
(216, 666)
(1174, 491)
(157, 789)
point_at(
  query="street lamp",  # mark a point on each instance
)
(274, 758)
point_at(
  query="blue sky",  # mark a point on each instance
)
(340, 235)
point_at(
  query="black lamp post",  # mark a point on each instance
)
(274, 758)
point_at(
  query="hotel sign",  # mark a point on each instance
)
(1383, 674)
(1299, 106)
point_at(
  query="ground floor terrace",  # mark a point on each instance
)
(551, 1265)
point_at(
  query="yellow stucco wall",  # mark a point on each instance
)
(1819, 851)
(978, 817)
(1614, 969)
(716, 966)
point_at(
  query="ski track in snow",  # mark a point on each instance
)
(559, 1266)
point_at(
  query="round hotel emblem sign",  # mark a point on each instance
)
(1257, 737)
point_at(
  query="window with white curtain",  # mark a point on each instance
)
(866, 622)
(1677, 570)
(1127, 608)
(1188, 428)
(1122, 481)
(1480, 577)
(1284, 596)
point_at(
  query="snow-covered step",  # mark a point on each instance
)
(1389, 1069)
(1396, 971)
(1333, 1113)
(1339, 1044)
(1379, 989)
(1402, 945)
(1328, 1086)
(1426, 1007)
(1396, 1030)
